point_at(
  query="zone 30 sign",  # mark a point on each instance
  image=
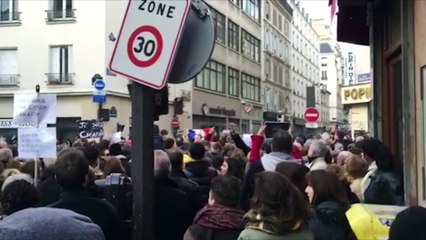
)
(148, 40)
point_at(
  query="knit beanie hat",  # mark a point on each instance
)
(409, 224)
(49, 224)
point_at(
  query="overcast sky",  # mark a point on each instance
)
(319, 9)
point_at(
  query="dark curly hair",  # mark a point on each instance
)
(18, 195)
(276, 196)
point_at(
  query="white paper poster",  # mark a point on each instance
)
(33, 108)
(37, 142)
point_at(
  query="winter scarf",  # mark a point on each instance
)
(269, 224)
(220, 217)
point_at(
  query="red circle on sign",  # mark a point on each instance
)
(158, 50)
(311, 115)
(175, 122)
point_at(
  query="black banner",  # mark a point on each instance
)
(90, 129)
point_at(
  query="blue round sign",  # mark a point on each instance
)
(99, 84)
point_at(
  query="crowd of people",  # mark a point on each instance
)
(212, 187)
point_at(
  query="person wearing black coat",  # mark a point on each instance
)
(49, 189)
(191, 188)
(329, 200)
(171, 205)
(200, 171)
(71, 170)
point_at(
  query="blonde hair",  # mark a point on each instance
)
(10, 172)
(356, 167)
(338, 171)
(16, 177)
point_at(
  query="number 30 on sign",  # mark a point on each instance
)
(149, 45)
(148, 40)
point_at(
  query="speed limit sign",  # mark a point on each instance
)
(148, 40)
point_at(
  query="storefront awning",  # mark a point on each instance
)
(352, 22)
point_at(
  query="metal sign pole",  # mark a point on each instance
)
(37, 88)
(142, 161)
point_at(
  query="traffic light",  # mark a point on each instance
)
(161, 101)
(178, 106)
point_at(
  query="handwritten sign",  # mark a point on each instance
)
(37, 142)
(8, 124)
(33, 108)
(90, 129)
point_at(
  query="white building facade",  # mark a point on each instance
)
(305, 63)
(330, 70)
(277, 17)
(60, 45)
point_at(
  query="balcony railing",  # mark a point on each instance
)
(60, 15)
(10, 16)
(60, 78)
(9, 79)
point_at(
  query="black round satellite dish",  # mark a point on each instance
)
(196, 44)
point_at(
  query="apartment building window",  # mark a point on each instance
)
(220, 25)
(267, 10)
(280, 23)
(60, 65)
(236, 2)
(8, 67)
(267, 69)
(286, 28)
(60, 10)
(250, 87)
(251, 8)
(275, 73)
(212, 77)
(287, 78)
(323, 75)
(274, 17)
(281, 76)
(233, 82)
(9, 10)
(233, 35)
(323, 64)
(250, 46)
